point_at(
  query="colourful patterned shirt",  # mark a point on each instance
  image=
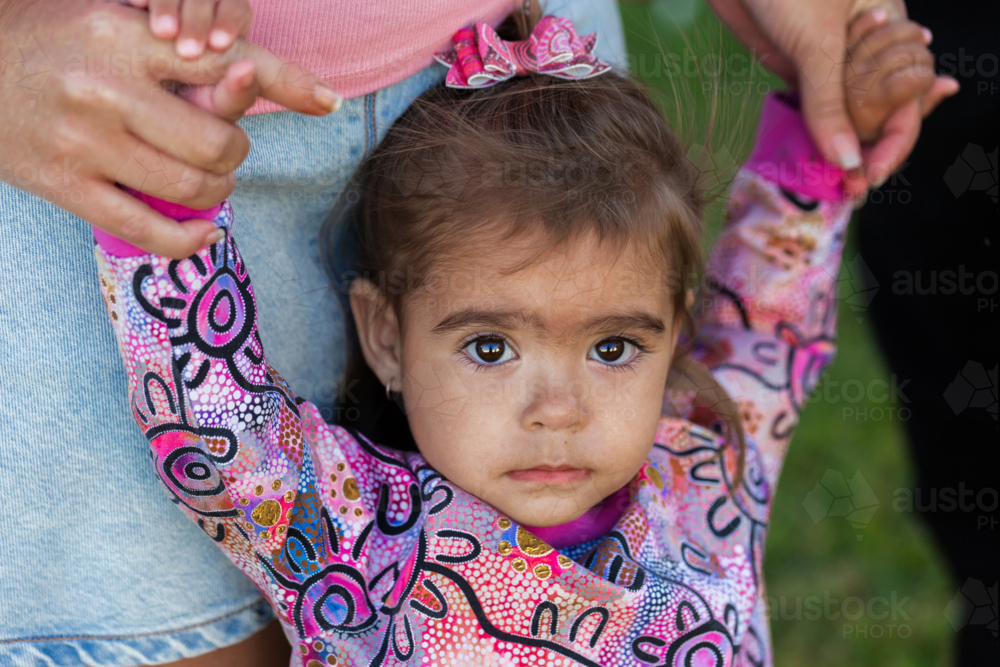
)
(371, 557)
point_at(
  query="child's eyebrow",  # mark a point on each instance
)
(486, 318)
(619, 323)
(514, 320)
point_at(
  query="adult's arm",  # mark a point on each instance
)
(83, 107)
(804, 42)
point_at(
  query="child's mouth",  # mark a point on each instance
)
(550, 474)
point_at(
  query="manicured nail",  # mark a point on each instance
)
(928, 36)
(847, 150)
(326, 98)
(188, 48)
(165, 26)
(880, 15)
(214, 236)
(220, 39)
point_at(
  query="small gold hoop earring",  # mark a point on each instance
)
(388, 389)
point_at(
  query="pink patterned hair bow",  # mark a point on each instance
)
(481, 58)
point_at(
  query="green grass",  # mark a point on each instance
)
(807, 560)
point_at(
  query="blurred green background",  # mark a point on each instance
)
(819, 565)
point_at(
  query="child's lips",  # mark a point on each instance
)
(548, 474)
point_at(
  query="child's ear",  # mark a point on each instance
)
(378, 332)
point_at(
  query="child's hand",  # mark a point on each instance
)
(888, 67)
(889, 87)
(231, 97)
(195, 23)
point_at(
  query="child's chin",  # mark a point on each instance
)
(544, 515)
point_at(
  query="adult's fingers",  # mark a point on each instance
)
(232, 20)
(899, 136)
(192, 135)
(288, 83)
(821, 88)
(140, 166)
(121, 214)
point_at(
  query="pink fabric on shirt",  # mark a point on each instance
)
(119, 248)
(594, 523)
(785, 154)
(360, 47)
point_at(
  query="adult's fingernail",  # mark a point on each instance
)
(165, 26)
(215, 236)
(879, 15)
(326, 98)
(188, 48)
(928, 35)
(220, 39)
(847, 150)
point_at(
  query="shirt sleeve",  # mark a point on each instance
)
(229, 440)
(767, 315)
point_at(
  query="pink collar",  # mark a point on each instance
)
(594, 523)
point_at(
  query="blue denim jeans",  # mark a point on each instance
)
(96, 565)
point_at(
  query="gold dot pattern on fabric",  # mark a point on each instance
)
(654, 477)
(244, 501)
(504, 547)
(259, 490)
(276, 484)
(542, 571)
(343, 510)
(267, 513)
(504, 523)
(314, 663)
(289, 496)
(519, 564)
(564, 562)
(351, 491)
(358, 511)
(530, 544)
(340, 467)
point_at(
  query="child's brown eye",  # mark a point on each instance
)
(613, 351)
(489, 350)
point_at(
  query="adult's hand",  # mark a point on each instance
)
(83, 106)
(804, 42)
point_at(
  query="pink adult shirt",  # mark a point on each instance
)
(360, 47)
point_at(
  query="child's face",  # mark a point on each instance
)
(537, 389)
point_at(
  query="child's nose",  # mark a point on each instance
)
(557, 407)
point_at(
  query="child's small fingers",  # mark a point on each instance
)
(196, 21)
(890, 35)
(905, 71)
(942, 88)
(865, 23)
(164, 18)
(237, 91)
(232, 20)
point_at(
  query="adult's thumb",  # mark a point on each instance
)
(821, 88)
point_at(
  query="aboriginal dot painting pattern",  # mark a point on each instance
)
(371, 557)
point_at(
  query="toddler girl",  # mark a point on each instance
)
(527, 253)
